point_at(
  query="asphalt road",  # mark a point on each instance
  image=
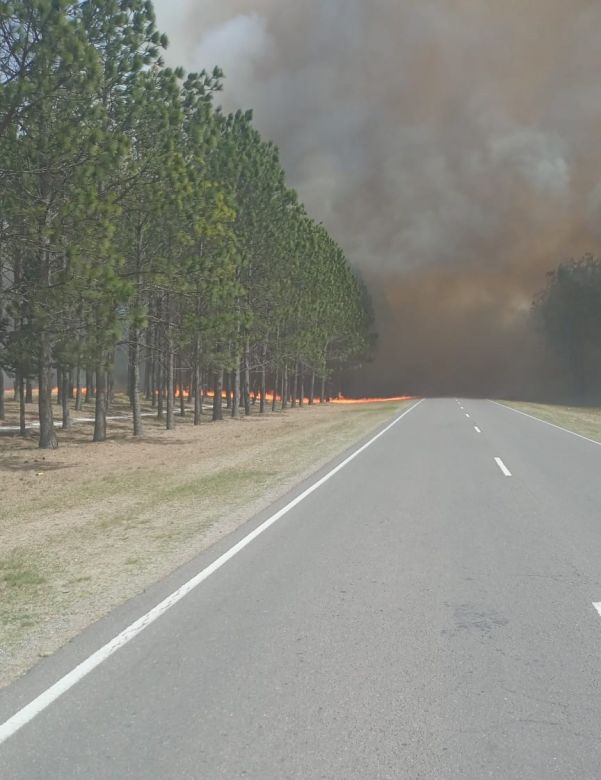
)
(419, 615)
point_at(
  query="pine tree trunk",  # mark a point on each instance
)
(170, 382)
(197, 388)
(236, 391)
(295, 387)
(247, 378)
(217, 399)
(160, 384)
(148, 377)
(48, 440)
(2, 399)
(198, 393)
(22, 402)
(263, 387)
(182, 398)
(59, 387)
(130, 391)
(110, 391)
(161, 396)
(136, 408)
(154, 381)
(89, 385)
(193, 383)
(154, 368)
(100, 410)
(228, 389)
(312, 389)
(301, 394)
(28, 391)
(274, 400)
(322, 393)
(285, 387)
(65, 400)
(78, 397)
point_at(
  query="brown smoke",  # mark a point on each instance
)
(451, 146)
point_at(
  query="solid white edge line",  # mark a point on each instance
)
(503, 467)
(477, 429)
(41, 702)
(597, 606)
(546, 422)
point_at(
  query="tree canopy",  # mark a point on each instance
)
(134, 212)
(569, 314)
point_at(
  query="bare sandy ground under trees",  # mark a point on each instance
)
(87, 526)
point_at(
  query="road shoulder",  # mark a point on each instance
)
(66, 568)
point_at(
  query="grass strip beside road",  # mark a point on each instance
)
(86, 527)
(585, 420)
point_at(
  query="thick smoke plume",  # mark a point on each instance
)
(451, 147)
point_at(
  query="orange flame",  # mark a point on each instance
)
(342, 400)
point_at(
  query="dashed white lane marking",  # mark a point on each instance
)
(45, 699)
(503, 467)
(477, 429)
(467, 415)
(462, 407)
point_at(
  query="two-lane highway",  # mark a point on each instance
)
(426, 612)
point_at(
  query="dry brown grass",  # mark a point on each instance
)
(87, 526)
(585, 420)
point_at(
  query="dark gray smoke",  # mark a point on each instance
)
(452, 148)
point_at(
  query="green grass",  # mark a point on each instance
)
(169, 495)
(14, 621)
(380, 408)
(226, 482)
(18, 573)
(20, 586)
(90, 490)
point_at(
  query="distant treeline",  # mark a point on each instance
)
(568, 311)
(132, 211)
